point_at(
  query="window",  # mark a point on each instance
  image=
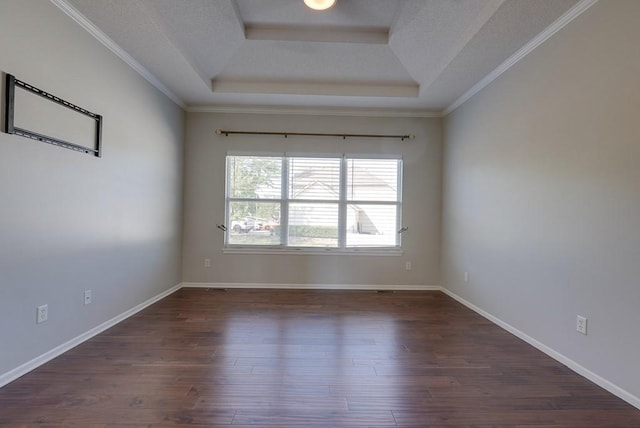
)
(307, 202)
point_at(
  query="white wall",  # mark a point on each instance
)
(204, 199)
(70, 221)
(542, 194)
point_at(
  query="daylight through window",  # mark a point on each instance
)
(341, 202)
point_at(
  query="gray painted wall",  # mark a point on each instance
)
(542, 200)
(69, 221)
(540, 179)
(204, 199)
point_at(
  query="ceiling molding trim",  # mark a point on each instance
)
(98, 34)
(289, 33)
(310, 111)
(560, 23)
(292, 87)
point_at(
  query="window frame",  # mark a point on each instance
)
(342, 203)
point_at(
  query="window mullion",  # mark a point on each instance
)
(399, 206)
(227, 197)
(284, 207)
(342, 205)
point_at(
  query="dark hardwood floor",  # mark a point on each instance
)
(308, 359)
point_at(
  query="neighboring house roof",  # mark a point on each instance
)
(314, 184)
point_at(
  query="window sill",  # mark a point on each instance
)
(393, 252)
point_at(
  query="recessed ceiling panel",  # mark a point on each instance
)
(345, 13)
(323, 61)
(209, 32)
(522, 19)
(374, 54)
(428, 35)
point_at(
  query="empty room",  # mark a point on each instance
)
(320, 213)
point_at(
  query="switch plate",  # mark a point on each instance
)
(466, 277)
(581, 324)
(87, 297)
(207, 262)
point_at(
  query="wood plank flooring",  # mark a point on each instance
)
(303, 358)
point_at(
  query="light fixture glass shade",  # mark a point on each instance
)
(319, 4)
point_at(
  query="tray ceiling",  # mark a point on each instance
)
(418, 55)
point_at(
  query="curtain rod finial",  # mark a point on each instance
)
(219, 131)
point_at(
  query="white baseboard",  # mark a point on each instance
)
(261, 285)
(581, 370)
(61, 349)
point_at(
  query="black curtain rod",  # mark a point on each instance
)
(226, 133)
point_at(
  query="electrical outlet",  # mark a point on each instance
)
(407, 265)
(42, 314)
(207, 262)
(581, 324)
(87, 297)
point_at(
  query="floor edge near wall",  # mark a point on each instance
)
(23, 369)
(259, 285)
(579, 369)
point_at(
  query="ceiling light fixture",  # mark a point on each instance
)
(319, 4)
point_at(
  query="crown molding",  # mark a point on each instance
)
(307, 87)
(98, 34)
(560, 23)
(315, 111)
(320, 34)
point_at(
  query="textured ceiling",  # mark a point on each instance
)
(406, 55)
